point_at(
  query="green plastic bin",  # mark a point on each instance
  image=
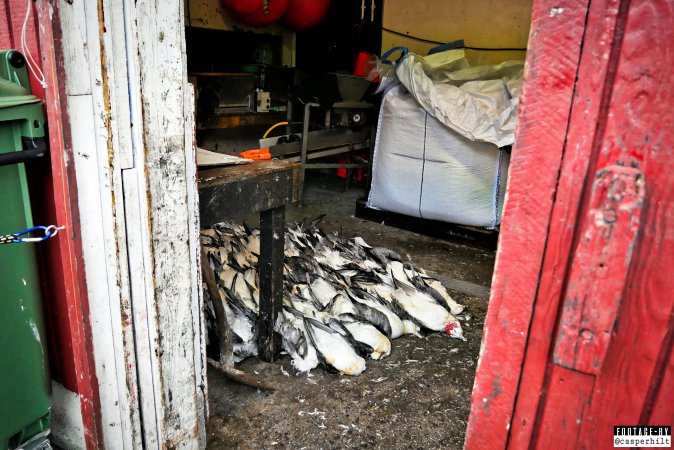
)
(24, 374)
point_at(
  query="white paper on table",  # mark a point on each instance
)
(209, 158)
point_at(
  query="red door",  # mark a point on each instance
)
(54, 201)
(578, 336)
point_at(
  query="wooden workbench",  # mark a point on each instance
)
(233, 192)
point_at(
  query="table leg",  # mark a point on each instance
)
(272, 242)
(303, 151)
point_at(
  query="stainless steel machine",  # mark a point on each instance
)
(345, 127)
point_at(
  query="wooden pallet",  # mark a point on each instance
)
(434, 228)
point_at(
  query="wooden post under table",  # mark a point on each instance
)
(232, 192)
(270, 269)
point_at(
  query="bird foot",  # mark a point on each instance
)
(240, 376)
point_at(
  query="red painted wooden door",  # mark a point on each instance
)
(580, 328)
(54, 201)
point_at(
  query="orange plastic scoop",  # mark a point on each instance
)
(258, 154)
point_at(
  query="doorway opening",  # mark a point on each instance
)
(272, 88)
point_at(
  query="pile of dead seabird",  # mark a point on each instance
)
(343, 300)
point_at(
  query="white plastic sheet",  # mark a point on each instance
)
(209, 158)
(480, 103)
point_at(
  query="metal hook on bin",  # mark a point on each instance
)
(15, 238)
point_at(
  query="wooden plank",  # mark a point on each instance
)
(130, 107)
(552, 63)
(136, 215)
(142, 316)
(235, 192)
(81, 112)
(632, 372)
(6, 37)
(642, 97)
(115, 76)
(109, 98)
(66, 299)
(594, 295)
(599, 271)
(560, 423)
(75, 49)
(228, 174)
(75, 303)
(100, 152)
(594, 76)
(662, 409)
(637, 77)
(199, 322)
(159, 53)
(270, 269)
(633, 367)
(241, 198)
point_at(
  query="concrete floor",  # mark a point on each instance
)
(418, 397)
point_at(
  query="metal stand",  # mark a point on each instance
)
(304, 148)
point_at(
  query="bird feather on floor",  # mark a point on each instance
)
(344, 300)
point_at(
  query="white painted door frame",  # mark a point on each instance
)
(131, 124)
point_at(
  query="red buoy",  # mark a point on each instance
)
(266, 12)
(304, 14)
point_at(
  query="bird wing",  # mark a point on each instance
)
(362, 348)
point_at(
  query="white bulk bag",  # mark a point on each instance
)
(422, 168)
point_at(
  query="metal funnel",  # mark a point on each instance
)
(351, 88)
